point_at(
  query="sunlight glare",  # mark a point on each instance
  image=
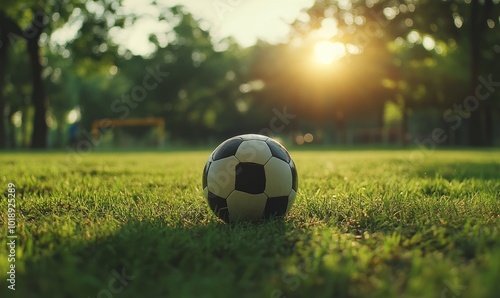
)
(325, 52)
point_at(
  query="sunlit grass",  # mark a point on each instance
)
(365, 223)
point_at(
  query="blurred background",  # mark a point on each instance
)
(146, 74)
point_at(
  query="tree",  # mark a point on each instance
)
(33, 33)
(481, 130)
(347, 88)
(7, 28)
(412, 46)
(41, 21)
(198, 92)
(17, 90)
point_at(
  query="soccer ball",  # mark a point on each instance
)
(248, 178)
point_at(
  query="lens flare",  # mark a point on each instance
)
(325, 52)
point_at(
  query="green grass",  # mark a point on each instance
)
(365, 223)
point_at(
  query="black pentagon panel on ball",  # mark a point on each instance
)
(278, 150)
(218, 206)
(276, 206)
(295, 178)
(250, 178)
(226, 149)
(205, 173)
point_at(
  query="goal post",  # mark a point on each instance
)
(98, 125)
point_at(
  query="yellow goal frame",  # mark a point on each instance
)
(107, 123)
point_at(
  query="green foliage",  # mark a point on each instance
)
(416, 54)
(365, 223)
(198, 98)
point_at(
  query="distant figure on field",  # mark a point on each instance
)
(73, 134)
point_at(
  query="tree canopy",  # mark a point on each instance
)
(345, 65)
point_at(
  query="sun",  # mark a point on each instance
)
(325, 52)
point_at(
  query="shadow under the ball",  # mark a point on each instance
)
(150, 259)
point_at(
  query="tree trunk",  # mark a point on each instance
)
(12, 131)
(40, 128)
(7, 27)
(25, 138)
(488, 104)
(404, 124)
(59, 139)
(475, 138)
(480, 130)
(488, 122)
(340, 127)
(3, 64)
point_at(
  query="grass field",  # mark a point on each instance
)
(365, 223)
